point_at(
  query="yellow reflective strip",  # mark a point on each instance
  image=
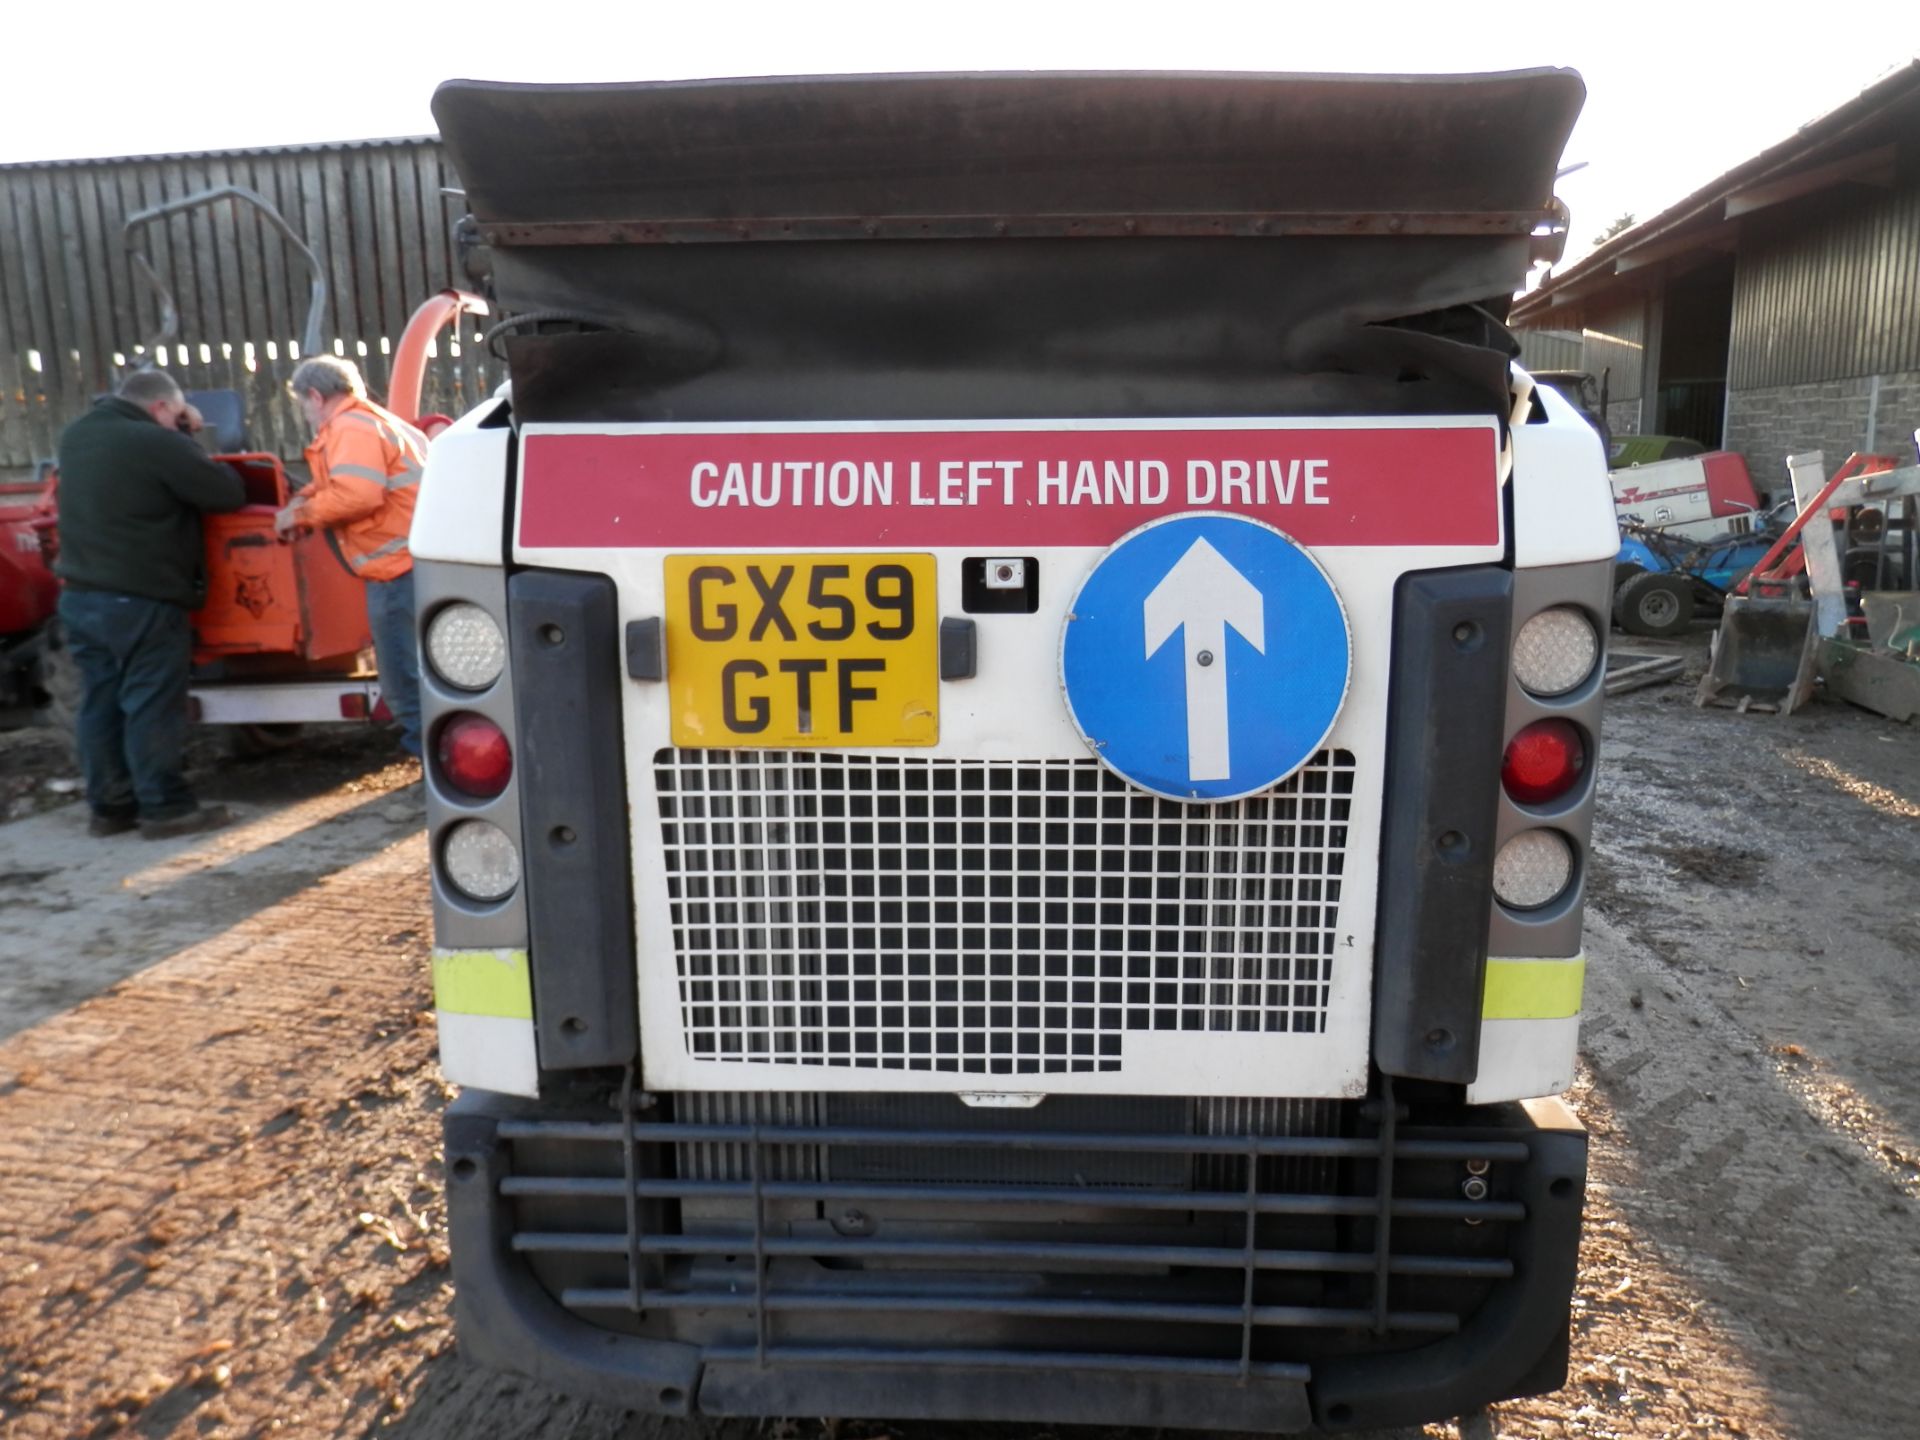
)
(483, 982)
(1533, 989)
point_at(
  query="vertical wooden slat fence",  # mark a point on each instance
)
(74, 313)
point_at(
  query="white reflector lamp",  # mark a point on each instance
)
(1555, 651)
(481, 861)
(465, 647)
(1532, 869)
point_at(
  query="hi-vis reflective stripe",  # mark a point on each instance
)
(409, 442)
(398, 543)
(1533, 989)
(483, 982)
(408, 474)
(397, 434)
(485, 1004)
(1529, 1028)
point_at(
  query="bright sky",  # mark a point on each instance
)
(1677, 92)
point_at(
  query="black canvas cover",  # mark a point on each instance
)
(1013, 244)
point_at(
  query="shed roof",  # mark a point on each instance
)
(1855, 144)
(304, 148)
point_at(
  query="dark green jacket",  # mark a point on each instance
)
(131, 493)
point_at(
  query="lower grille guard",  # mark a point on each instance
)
(806, 1280)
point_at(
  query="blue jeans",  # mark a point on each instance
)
(397, 651)
(135, 656)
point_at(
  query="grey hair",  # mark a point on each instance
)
(150, 387)
(329, 376)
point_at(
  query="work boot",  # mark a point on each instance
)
(196, 821)
(103, 825)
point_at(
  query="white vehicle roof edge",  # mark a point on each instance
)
(460, 515)
(1562, 504)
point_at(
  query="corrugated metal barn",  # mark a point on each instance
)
(1776, 310)
(74, 313)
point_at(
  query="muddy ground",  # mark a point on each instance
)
(220, 1204)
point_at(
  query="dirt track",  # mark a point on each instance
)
(221, 1194)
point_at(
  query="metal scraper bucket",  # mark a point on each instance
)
(1764, 654)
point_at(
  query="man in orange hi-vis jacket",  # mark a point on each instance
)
(366, 465)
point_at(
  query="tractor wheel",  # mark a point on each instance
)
(1622, 576)
(1656, 605)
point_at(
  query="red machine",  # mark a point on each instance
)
(1779, 567)
(28, 590)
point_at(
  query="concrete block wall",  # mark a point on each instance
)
(1866, 413)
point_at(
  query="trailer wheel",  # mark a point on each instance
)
(1656, 605)
(256, 741)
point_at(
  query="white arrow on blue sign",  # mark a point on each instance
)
(1253, 687)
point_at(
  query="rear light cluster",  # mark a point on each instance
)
(466, 650)
(1555, 654)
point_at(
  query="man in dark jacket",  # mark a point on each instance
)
(132, 488)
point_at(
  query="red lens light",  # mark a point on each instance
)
(1543, 761)
(474, 756)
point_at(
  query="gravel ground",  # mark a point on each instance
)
(222, 1194)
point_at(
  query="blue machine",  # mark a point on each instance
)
(1661, 581)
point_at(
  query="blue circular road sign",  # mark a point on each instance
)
(1205, 657)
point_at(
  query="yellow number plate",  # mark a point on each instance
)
(803, 650)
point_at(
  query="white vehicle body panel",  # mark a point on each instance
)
(1013, 710)
(463, 496)
(1559, 516)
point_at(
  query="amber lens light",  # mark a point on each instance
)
(474, 756)
(1543, 761)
